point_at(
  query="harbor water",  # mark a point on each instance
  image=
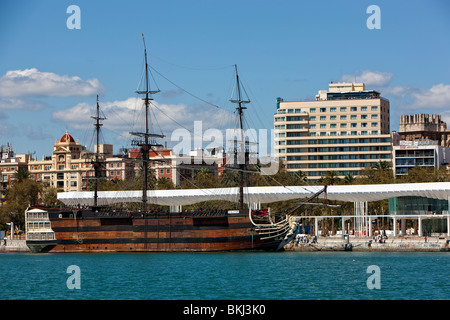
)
(226, 276)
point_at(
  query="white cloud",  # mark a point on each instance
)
(32, 82)
(124, 116)
(370, 78)
(437, 97)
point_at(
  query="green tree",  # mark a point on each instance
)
(330, 178)
(23, 193)
(349, 179)
(381, 173)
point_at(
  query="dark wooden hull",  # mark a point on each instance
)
(156, 233)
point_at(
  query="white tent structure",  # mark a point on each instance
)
(360, 195)
(257, 195)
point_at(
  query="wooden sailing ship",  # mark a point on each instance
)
(99, 229)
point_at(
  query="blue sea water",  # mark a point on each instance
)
(226, 276)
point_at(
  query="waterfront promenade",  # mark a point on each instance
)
(14, 246)
(392, 244)
(333, 243)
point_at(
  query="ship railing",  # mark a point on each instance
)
(274, 233)
(273, 230)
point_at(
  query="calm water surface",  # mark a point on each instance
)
(218, 276)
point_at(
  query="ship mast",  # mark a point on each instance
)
(144, 141)
(97, 163)
(242, 151)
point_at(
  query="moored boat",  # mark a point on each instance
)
(101, 229)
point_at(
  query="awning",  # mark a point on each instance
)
(177, 197)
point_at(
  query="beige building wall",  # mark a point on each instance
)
(344, 135)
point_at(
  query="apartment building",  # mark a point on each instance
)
(10, 163)
(345, 129)
(419, 153)
(70, 167)
(178, 167)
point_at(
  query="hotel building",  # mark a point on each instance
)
(345, 129)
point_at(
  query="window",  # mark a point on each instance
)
(343, 109)
(332, 117)
(312, 126)
(364, 116)
(312, 110)
(323, 109)
(322, 126)
(323, 118)
(353, 108)
(353, 125)
(295, 118)
(290, 111)
(298, 110)
(374, 124)
(363, 108)
(374, 108)
(364, 124)
(343, 117)
(313, 118)
(354, 117)
(374, 116)
(332, 109)
(333, 125)
(343, 125)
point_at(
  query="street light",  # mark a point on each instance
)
(12, 229)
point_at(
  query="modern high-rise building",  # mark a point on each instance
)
(345, 129)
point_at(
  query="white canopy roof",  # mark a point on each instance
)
(176, 197)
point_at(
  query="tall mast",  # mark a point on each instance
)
(242, 166)
(145, 143)
(96, 163)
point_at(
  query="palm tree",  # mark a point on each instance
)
(330, 178)
(349, 179)
(21, 174)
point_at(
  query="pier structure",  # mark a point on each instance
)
(363, 224)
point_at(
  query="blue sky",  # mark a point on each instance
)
(50, 75)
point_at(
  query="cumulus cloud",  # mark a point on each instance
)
(32, 82)
(370, 78)
(437, 97)
(124, 116)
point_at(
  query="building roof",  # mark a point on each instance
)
(67, 138)
(350, 193)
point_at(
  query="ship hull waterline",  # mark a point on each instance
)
(163, 233)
